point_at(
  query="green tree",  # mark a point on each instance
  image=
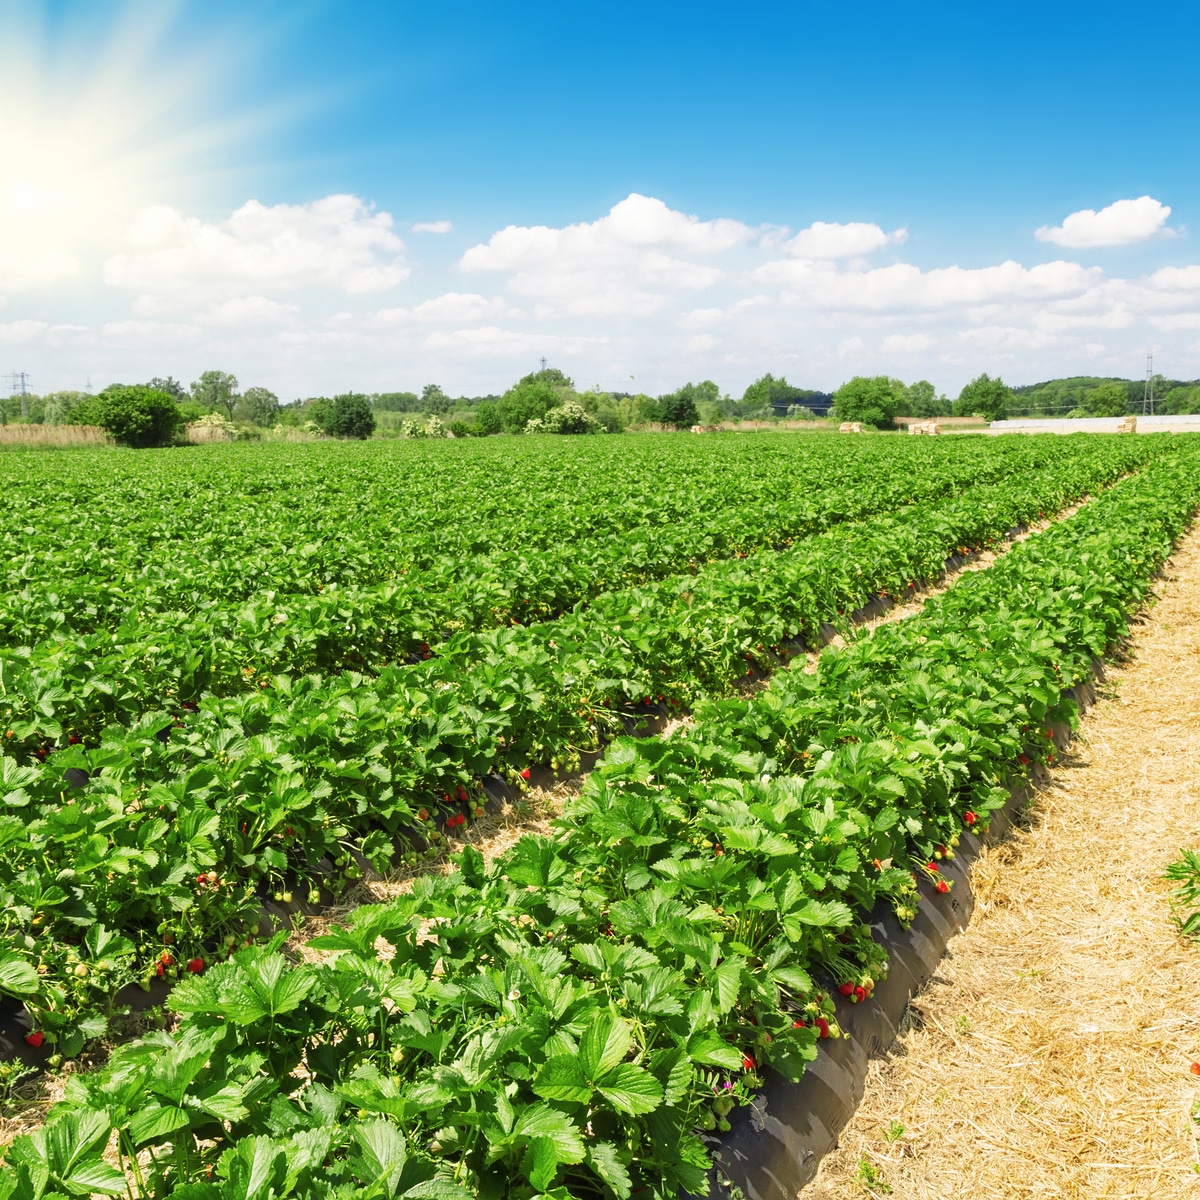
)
(1107, 400)
(551, 375)
(351, 417)
(259, 406)
(920, 399)
(984, 397)
(60, 405)
(171, 386)
(320, 411)
(434, 400)
(397, 402)
(679, 408)
(639, 410)
(868, 399)
(217, 390)
(135, 416)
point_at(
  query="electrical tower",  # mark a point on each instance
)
(543, 363)
(19, 386)
(1148, 392)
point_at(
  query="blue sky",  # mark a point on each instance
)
(929, 143)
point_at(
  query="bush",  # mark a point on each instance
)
(567, 418)
(489, 419)
(531, 398)
(351, 417)
(461, 429)
(870, 400)
(135, 416)
(679, 409)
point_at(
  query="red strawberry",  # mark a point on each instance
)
(195, 965)
(423, 815)
(167, 960)
(158, 970)
(748, 1063)
(525, 774)
(35, 1039)
(798, 1025)
(822, 1027)
(942, 886)
(847, 989)
(969, 818)
(860, 993)
(201, 880)
(1194, 1068)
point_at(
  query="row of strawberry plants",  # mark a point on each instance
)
(83, 545)
(167, 659)
(173, 639)
(181, 822)
(566, 1021)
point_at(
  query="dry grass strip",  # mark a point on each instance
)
(1050, 1057)
(53, 435)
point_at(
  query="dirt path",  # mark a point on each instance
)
(1050, 1056)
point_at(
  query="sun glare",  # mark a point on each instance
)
(93, 126)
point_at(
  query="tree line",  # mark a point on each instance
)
(154, 413)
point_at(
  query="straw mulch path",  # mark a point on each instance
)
(1051, 1055)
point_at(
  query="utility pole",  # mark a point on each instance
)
(1148, 391)
(19, 386)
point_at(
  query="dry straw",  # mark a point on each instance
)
(1051, 1055)
(53, 435)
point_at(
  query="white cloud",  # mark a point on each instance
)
(458, 306)
(1120, 224)
(906, 343)
(249, 310)
(625, 263)
(22, 331)
(902, 286)
(508, 343)
(335, 242)
(149, 330)
(828, 239)
(1176, 321)
(1176, 279)
(432, 227)
(283, 296)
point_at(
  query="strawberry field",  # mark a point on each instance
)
(239, 675)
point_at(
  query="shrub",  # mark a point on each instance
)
(679, 409)
(569, 417)
(351, 417)
(870, 400)
(529, 399)
(135, 416)
(489, 419)
(461, 429)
